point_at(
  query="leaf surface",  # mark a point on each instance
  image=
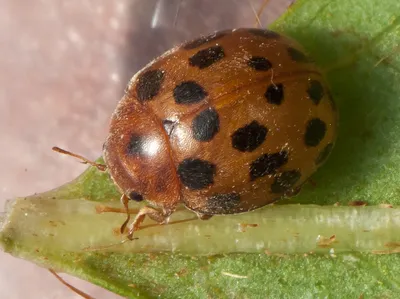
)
(357, 43)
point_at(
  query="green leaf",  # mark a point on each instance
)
(259, 254)
(358, 42)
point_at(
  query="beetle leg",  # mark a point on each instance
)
(293, 192)
(156, 215)
(203, 216)
(124, 200)
(71, 287)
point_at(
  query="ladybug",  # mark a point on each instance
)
(224, 124)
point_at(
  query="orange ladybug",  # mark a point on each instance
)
(224, 124)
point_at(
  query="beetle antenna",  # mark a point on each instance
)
(99, 166)
(258, 23)
(258, 13)
(177, 13)
(262, 7)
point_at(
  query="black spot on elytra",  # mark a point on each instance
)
(189, 92)
(297, 55)
(196, 174)
(267, 164)
(135, 145)
(263, 33)
(324, 154)
(315, 132)
(205, 125)
(205, 58)
(205, 39)
(274, 94)
(135, 196)
(249, 137)
(224, 203)
(315, 91)
(149, 84)
(285, 181)
(259, 63)
(169, 126)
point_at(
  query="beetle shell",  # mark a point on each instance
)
(225, 124)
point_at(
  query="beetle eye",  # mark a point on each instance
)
(135, 196)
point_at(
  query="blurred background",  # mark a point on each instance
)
(64, 66)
